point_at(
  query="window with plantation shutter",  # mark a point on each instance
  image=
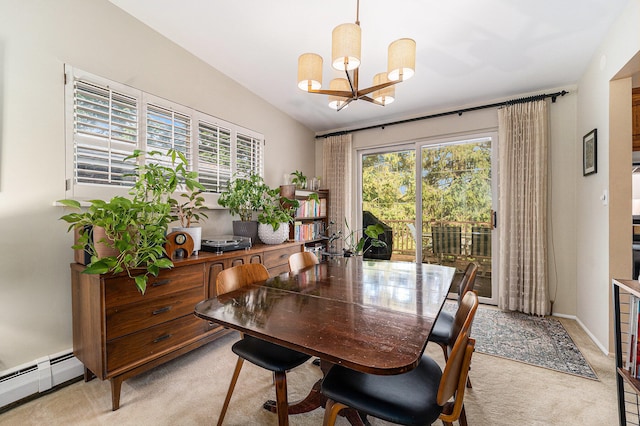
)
(249, 155)
(106, 131)
(107, 121)
(168, 129)
(214, 156)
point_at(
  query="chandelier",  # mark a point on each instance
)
(345, 56)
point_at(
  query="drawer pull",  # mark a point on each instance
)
(161, 338)
(159, 283)
(161, 310)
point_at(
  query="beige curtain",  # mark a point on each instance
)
(336, 177)
(522, 215)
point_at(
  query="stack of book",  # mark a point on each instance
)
(308, 231)
(312, 208)
(633, 352)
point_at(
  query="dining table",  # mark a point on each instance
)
(372, 316)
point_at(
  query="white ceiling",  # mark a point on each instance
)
(468, 51)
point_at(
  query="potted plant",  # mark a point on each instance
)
(243, 196)
(133, 228)
(354, 246)
(277, 212)
(299, 180)
(188, 213)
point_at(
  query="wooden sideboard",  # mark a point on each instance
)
(119, 333)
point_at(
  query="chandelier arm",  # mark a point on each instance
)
(341, 93)
(368, 90)
(373, 101)
(354, 90)
(344, 105)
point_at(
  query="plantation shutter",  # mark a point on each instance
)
(168, 129)
(107, 121)
(214, 156)
(105, 132)
(249, 155)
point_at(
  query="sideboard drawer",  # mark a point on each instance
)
(279, 257)
(126, 319)
(139, 346)
(122, 290)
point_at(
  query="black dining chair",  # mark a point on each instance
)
(441, 332)
(267, 355)
(416, 398)
(442, 329)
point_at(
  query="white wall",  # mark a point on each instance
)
(592, 217)
(37, 37)
(562, 181)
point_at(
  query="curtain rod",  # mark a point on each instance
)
(553, 97)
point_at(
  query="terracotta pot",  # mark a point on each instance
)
(102, 250)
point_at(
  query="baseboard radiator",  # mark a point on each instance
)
(39, 376)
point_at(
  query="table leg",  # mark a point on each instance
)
(315, 399)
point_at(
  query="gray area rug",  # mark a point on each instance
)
(543, 342)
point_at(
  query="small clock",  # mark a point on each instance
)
(179, 245)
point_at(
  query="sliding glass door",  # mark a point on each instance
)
(437, 201)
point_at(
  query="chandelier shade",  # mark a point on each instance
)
(386, 95)
(310, 72)
(346, 47)
(402, 59)
(338, 102)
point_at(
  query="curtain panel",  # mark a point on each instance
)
(336, 176)
(523, 157)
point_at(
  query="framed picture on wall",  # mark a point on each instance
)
(590, 153)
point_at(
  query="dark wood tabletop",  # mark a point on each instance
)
(371, 316)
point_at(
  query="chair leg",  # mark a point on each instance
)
(331, 410)
(445, 350)
(462, 420)
(282, 405)
(232, 385)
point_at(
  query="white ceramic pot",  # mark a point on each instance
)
(269, 236)
(196, 235)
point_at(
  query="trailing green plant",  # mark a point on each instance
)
(135, 227)
(276, 209)
(244, 196)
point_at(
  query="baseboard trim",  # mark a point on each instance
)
(602, 347)
(37, 378)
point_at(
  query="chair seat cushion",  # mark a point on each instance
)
(441, 332)
(408, 399)
(268, 355)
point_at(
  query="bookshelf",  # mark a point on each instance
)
(626, 299)
(311, 219)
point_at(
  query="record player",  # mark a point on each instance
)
(223, 243)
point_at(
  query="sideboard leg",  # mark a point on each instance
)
(116, 385)
(88, 375)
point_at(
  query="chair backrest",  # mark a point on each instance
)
(446, 239)
(462, 319)
(468, 280)
(456, 371)
(480, 241)
(301, 260)
(240, 276)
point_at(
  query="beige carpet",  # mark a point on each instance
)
(190, 391)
